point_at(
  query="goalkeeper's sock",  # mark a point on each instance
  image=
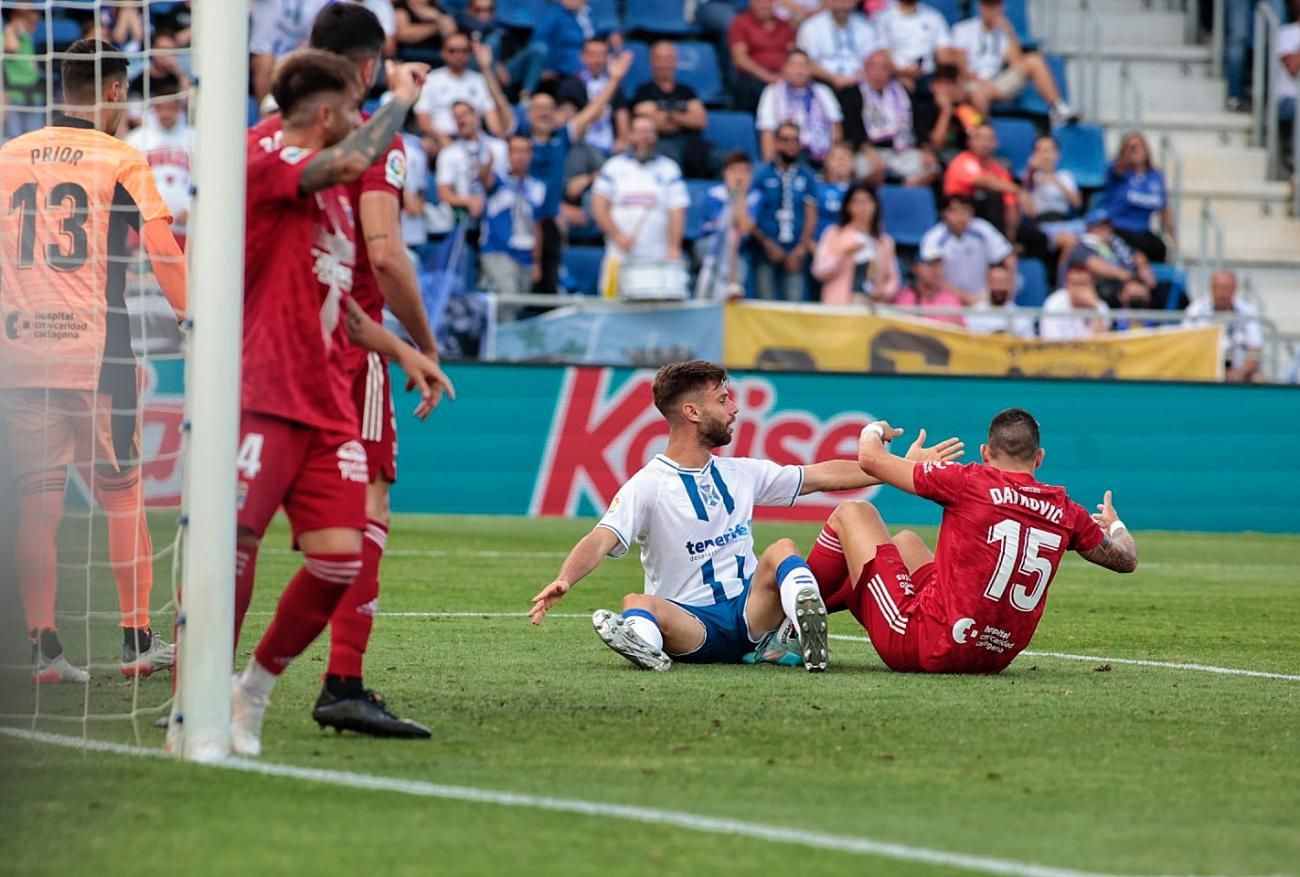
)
(353, 620)
(305, 608)
(826, 560)
(645, 625)
(40, 511)
(793, 576)
(245, 573)
(130, 547)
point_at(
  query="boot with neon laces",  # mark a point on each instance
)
(615, 632)
(49, 665)
(780, 647)
(145, 652)
(247, 709)
(345, 704)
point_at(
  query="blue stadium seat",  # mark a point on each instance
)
(1176, 279)
(1033, 103)
(62, 33)
(949, 9)
(583, 265)
(639, 74)
(907, 212)
(520, 13)
(1033, 284)
(697, 66)
(1015, 141)
(253, 114)
(729, 130)
(698, 189)
(604, 16)
(660, 17)
(1083, 153)
(1017, 12)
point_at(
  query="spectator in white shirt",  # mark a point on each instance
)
(836, 40)
(1049, 203)
(415, 228)
(467, 165)
(1288, 64)
(639, 202)
(167, 141)
(276, 28)
(1242, 340)
(797, 98)
(457, 83)
(968, 246)
(996, 68)
(999, 315)
(1075, 313)
(916, 36)
(881, 121)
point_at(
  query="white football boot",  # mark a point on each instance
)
(620, 637)
(53, 671)
(246, 713)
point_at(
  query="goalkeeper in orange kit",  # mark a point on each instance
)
(68, 379)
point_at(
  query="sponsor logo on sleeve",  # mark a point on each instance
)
(395, 169)
(293, 154)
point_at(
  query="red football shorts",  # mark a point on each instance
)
(319, 476)
(373, 395)
(883, 600)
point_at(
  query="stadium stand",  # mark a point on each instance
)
(907, 213)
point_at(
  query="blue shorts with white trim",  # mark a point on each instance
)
(726, 633)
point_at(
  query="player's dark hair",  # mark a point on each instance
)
(308, 72)
(348, 29)
(1014, 434)
(736, 156)
(86, 69)
(675, 380)
(965, 200)
(846, 216)
(165, 85)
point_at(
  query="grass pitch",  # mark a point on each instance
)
(1092, 765)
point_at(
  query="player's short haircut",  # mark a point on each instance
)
(85, 70)
(306, 73)
(677, 379)
(1014, 434)
(348, 29)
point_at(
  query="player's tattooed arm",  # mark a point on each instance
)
(348, 159)
(1118, 553)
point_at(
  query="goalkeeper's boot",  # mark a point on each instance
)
(52, 670)
(781, 647)
(247, 709)
(159, 655)
(365, 714)
(810, 616)
(616, 634)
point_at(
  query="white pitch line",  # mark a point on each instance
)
(862, 846)
(440, 552)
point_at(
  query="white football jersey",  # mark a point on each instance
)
(695, 526)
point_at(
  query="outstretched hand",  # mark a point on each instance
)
(423, 374)
(546, 599)
(947, 451)
(1105, 514)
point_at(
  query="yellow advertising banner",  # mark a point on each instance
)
(777, 336)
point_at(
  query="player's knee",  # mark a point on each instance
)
(637, 601)
(377, 504)
(850, 513)
(246, 539)
(907, 539)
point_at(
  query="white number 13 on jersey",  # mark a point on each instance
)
(1008, 533)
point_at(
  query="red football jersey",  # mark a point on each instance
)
(387, 174)
(1000, 544)
(299, 253)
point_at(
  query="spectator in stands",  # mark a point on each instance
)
(518, 67)
(782, 239)
(164, 68)
(833, 185)
(967, 246)
(608, 131)
(999, 314)
(276, 28)
(836, 40)
(994, 67)
(1135, 191)
(797, 98)
(1050, 201)
(678, 113)
(24, 88)
(561, 31)
(1239, 26)
(978, 175)
(1288, 65)
(421, 28)
(415, 187)
(552, 141)
(797, 11)
(759, 43)
(855, 260)
(639, 202)
(1122, 276)
(931, 290)
(1242, 341)
(879, 121)
(581, 167)
(457, 83)
(729, 211)
(167, 142)
(1075, 312)
(467, 164)
(917, 38)
(510, 247)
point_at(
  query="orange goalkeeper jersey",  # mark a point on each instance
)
(71, 194)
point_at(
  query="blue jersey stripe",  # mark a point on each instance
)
(719, 592)
(693, 491)
(727, 501)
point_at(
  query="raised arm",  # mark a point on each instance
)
(1118, 549)
(875, 460)
(585, 557)
(618, 68)
(348, 159)
(500, 120)
(851, 475)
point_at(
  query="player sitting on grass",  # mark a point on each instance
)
(974, 604)
(707, 598)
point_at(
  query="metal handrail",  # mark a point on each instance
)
(1171, 162)
(1217, 36)
(1264, 110)
(1130, 92)
(1295, 166)
(1210, 261)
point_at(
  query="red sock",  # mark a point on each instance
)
(826, 560)
(245, 572)
(305, 608)
(354, 618)
(130, 547)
